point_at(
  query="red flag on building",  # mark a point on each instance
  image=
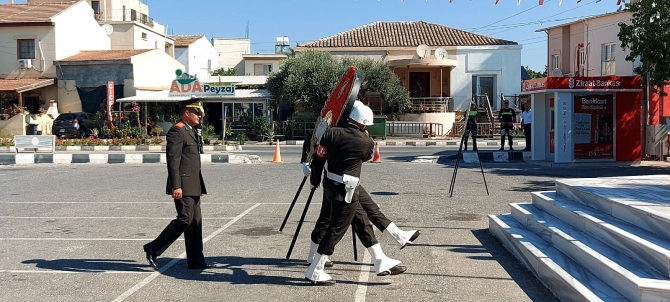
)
(541, 2)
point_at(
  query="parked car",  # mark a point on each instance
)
(75, 125)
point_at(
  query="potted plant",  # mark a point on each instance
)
(242, 137)
(262, 126)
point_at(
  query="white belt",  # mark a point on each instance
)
(350, 184)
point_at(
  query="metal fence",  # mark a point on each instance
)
(431, 105)
(396, 128)
(485, 129)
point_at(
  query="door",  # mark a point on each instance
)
(214, 116)
(482, 85)
(419, 84)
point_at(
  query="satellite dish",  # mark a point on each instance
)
(440, 53)
(557, 72)
(423, 50)
(108, 29)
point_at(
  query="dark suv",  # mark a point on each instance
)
(74, 125)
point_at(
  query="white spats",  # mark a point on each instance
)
(383, 264)
(402, 237)
(316, 273)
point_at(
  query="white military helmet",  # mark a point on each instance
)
(362, 114)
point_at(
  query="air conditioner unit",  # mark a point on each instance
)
(25, 63)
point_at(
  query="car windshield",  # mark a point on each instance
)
(67, 116)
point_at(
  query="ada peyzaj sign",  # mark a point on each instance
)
(189, 86)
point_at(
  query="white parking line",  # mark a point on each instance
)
(143, 218)
(70, 272)
(153, 276)
(362, 288)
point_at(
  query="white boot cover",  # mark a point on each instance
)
(316, 272)
(402, 237)
(381, 261)
(312, 251)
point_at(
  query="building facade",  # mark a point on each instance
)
(231, 52)
(441, 67)
(197, 54)
(262, 64)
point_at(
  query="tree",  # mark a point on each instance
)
(224, 72)
(647, 38)
(309, 77)
(535, 74)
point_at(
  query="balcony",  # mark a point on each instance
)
(430, 105)
(128, 15)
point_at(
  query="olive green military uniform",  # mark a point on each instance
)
(183, 164)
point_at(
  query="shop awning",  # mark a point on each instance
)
(163, 97)
(23, 85)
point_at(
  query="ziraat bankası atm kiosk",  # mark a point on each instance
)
(582, 119)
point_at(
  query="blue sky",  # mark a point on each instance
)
(308, 20)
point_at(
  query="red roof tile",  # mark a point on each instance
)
(405, 34)
(13, 85)
(104, 55)
(31, 13)
(185, 40)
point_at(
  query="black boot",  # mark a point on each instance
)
(465, 143)
(474, 143)
(510, 143)
(502, 142)
(151, 256)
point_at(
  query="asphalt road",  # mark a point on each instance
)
(291, 154)
(75, 233)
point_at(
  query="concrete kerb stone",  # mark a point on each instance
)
(471, 157)
(95, 158)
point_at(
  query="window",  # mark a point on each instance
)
(608, 66)
(124, 13)
(267, 69)
(95, 5)
(144, 36)
(133, 15)
(262, 69)
(554, 62)
(608, 52)
(26, 49)
(209, 66)
(582, 57)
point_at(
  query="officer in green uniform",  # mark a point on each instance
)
(471, 127)
(186, 185)
(507, 116)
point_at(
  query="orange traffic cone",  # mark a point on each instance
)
(376, 158)
(277, 156)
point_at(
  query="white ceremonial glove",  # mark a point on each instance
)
(305, 169)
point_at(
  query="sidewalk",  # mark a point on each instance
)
(117, 158)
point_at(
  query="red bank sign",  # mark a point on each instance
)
(582, 83)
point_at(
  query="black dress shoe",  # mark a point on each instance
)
(151, 257)
(396, 270)
(202, 265)
(321, 283)
(411, 240)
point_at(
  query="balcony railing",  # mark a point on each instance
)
(127, 15)
(431, 105)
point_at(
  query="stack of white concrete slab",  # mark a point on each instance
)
(595, 239)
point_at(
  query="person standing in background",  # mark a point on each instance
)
(526, 120)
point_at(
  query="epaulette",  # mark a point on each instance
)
(180, 125)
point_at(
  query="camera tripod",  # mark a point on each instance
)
(460, 154)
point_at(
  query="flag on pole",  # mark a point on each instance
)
(497, 1)
(541, 2)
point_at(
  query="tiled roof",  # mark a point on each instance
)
(14, 85)
(405, 34)
(31, 13)
(104, 55)
(186, 40)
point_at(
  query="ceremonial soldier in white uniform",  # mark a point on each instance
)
(344, 149)
(375, 215)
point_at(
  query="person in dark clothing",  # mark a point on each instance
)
(471, 127)
(344, 149)
(186, 185)
(507, 116)
(385, 225)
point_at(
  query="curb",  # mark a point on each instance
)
(412, 143)
(12, 149)
(471, 157)
(155, 158)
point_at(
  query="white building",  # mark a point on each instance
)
(132, 26)
(197, 54)
(439, 83)
(262, 64)
(231, 53)
(37, 36)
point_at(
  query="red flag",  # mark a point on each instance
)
(618, 2)
(541, 2)
(497, 1)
